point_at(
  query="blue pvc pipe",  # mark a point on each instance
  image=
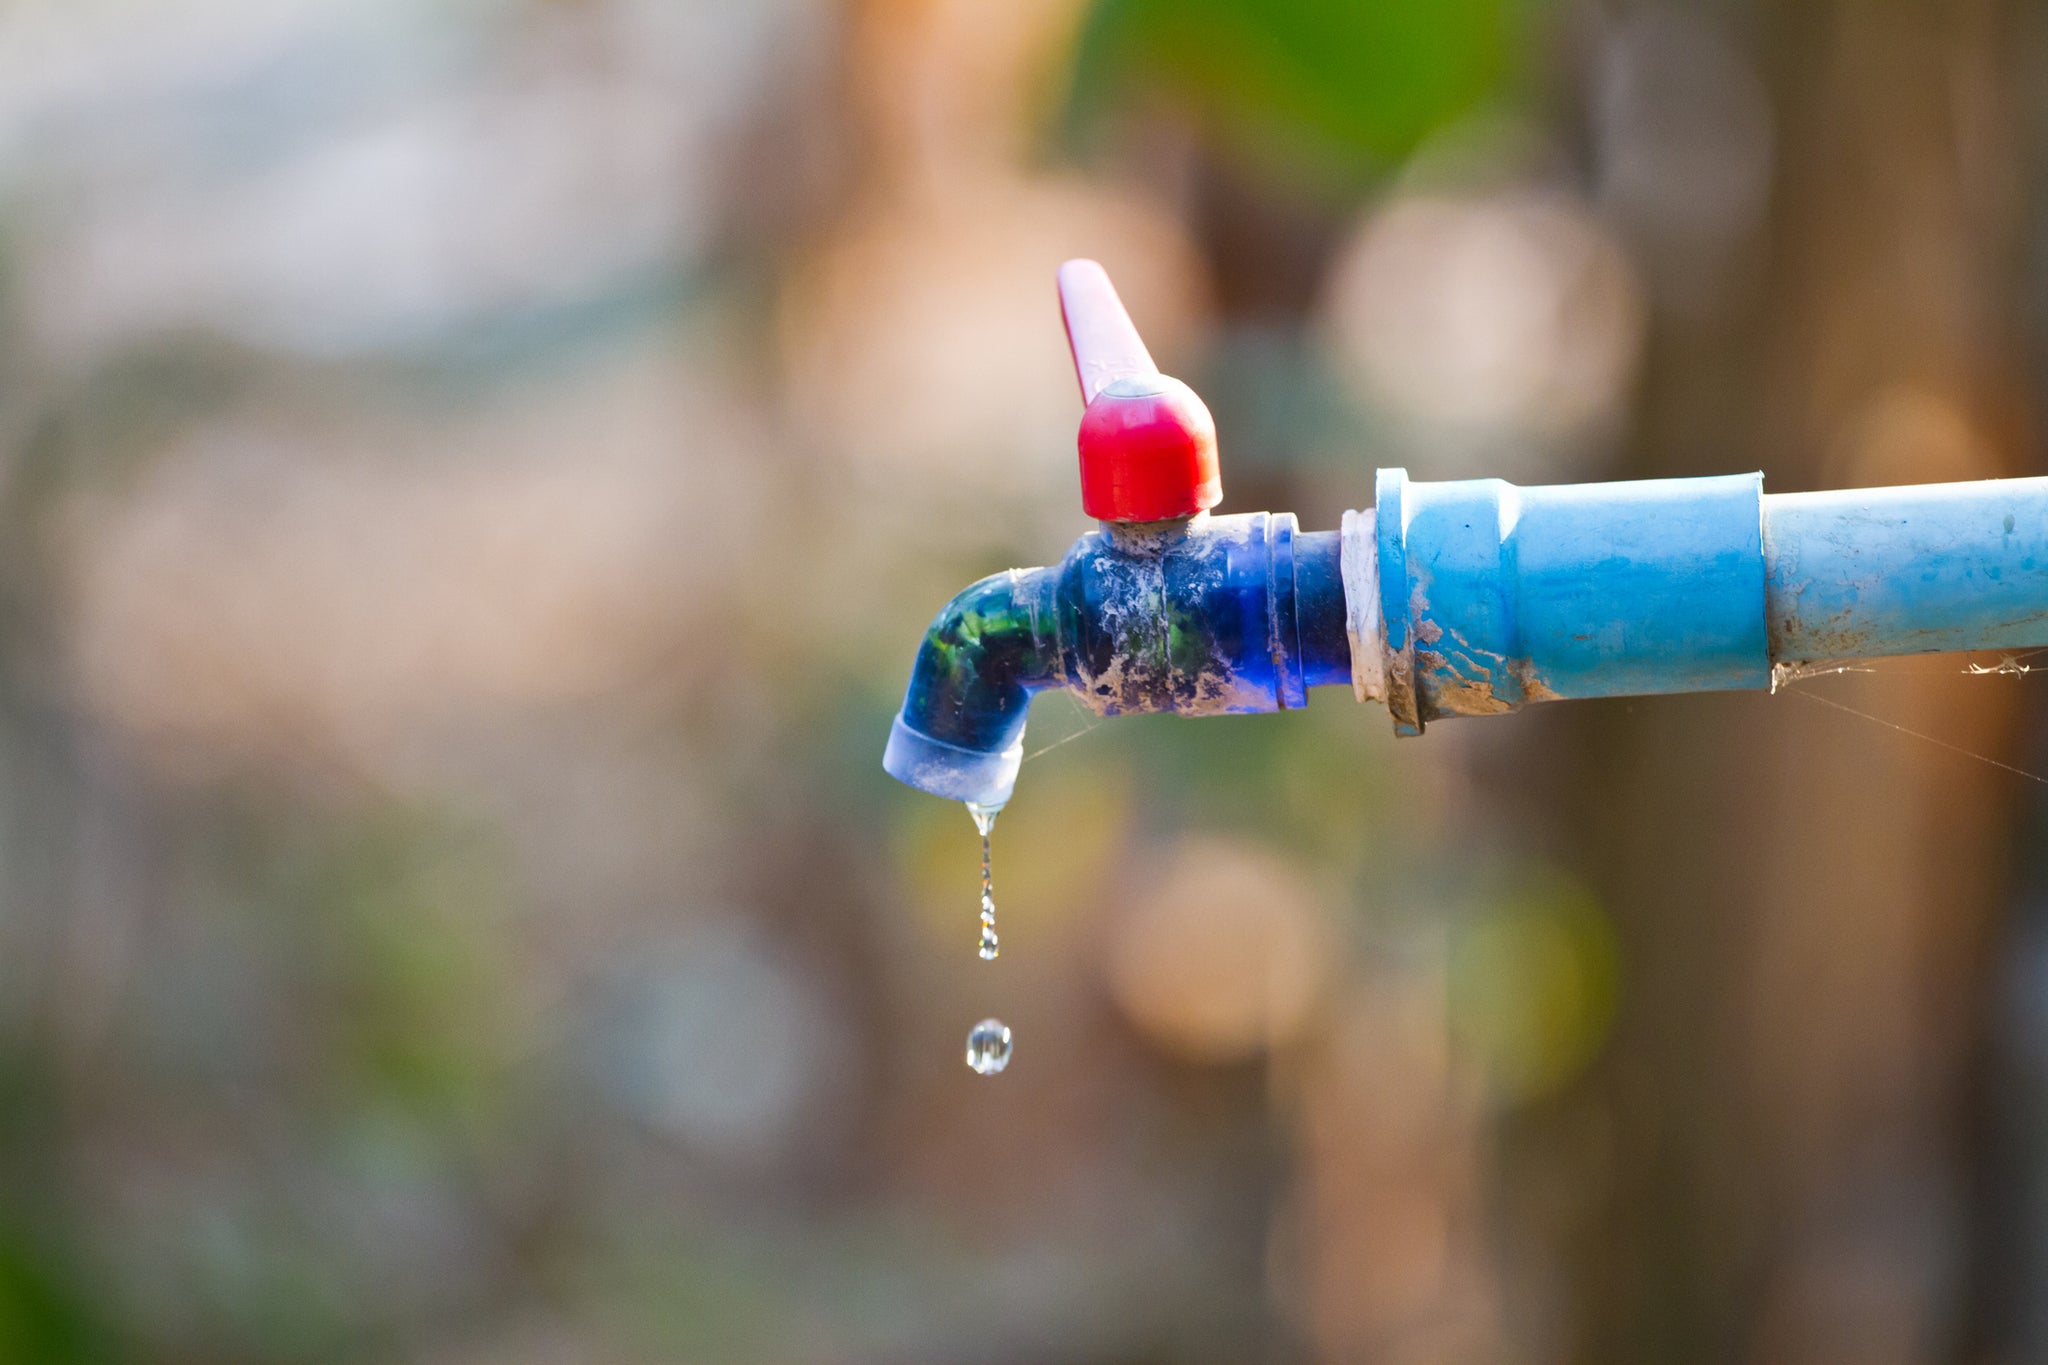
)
(1881, 571)
(1494, 596)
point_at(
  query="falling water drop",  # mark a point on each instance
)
(984, 821)
(988, 1047)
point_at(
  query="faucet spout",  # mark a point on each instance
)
(961, 731)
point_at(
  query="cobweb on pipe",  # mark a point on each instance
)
(1784, 675)
(2008, 665)
(1092, 722)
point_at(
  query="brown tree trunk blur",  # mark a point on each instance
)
(1807, 899)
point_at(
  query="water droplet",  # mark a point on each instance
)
(988, 1047)
(984, 821)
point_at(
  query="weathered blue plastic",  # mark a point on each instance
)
(1494, 596)
(1880, 571)
(1490, 597)
(1203, 617)
(961, 731)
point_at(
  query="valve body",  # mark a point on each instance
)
(1200, 617)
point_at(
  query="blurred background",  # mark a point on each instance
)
(472, 477)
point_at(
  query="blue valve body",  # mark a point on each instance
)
(1210, 616)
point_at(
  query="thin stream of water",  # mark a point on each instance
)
(985, 821)
(988, 1043)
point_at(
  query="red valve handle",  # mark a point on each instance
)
(1147, 443)
(1105, 343)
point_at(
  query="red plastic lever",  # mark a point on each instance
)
(1105, 343)
(1147, 443)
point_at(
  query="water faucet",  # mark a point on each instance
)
(1462, 598)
